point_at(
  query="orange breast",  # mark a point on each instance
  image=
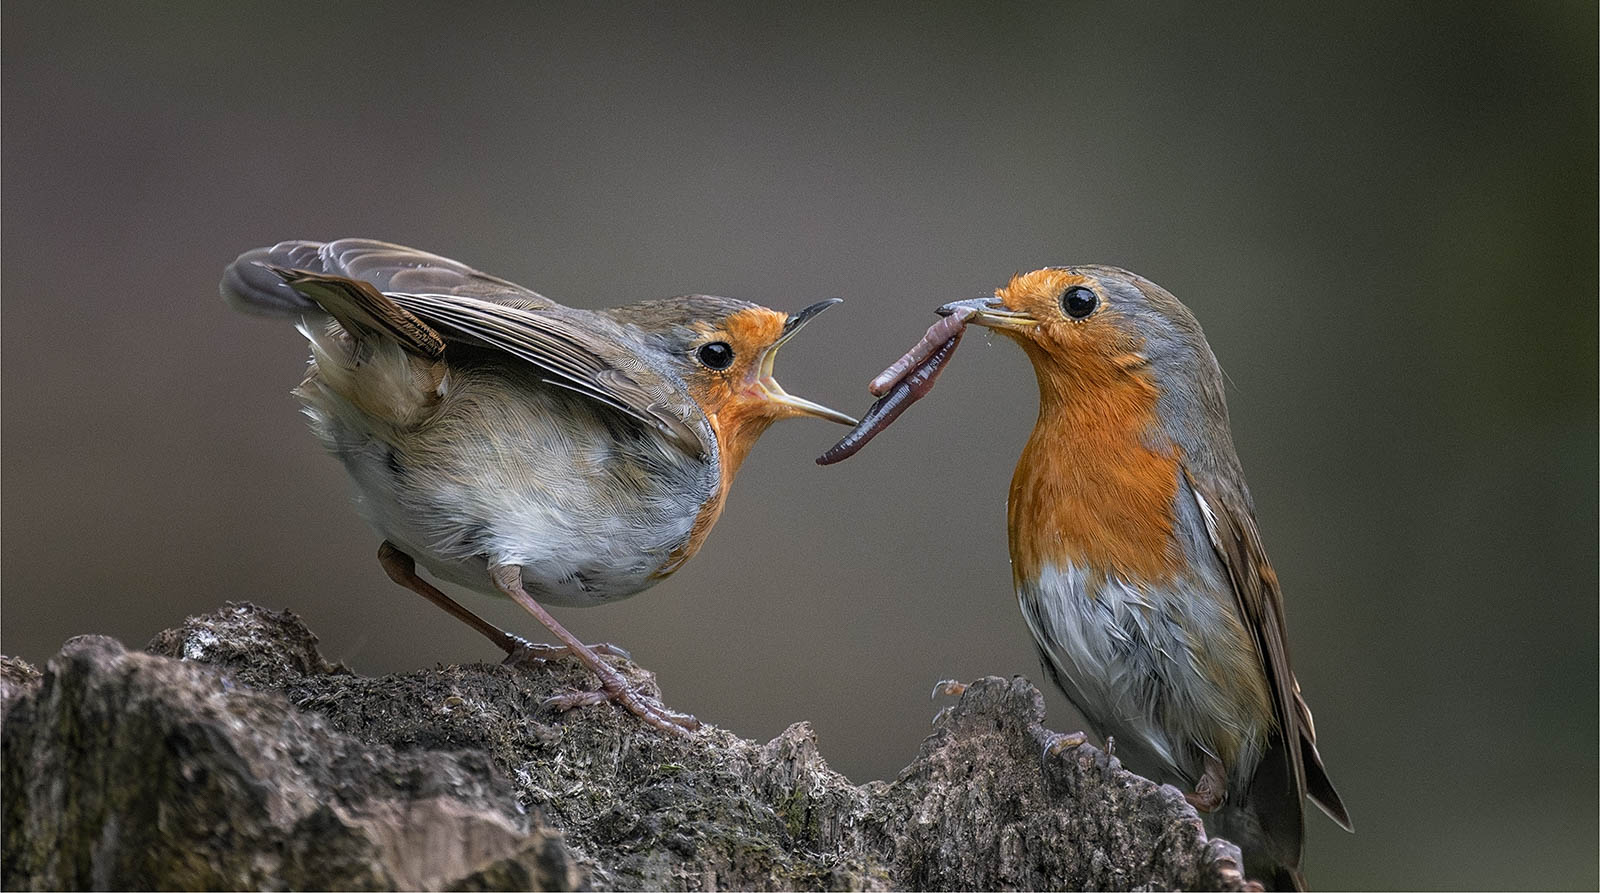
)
(1088, 490)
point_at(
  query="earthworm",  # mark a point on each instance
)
(938, 335)
(904, 388)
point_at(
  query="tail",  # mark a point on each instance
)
(361, 309)
(1267, 820)
(1284, 877)
(379, 369)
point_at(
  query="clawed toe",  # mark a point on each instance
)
(1202, 799)
(946, 688)
(574, 699)
(949, 688)
(522, 650)
(613, 687)
(1212, 788)
(1063, 741)
(654, 714)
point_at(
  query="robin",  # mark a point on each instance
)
(518, 447)
(1135, 554)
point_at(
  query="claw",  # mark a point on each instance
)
(1059, 742)
(949, 688)
(649, 711)
(1211, 791)
(613, 687)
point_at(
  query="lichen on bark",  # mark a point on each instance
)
(230, 754)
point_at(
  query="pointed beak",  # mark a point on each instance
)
(774, 392)
(990, 312)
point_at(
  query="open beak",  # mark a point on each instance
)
(774, 392)
(990, 312)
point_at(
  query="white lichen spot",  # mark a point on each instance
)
(195, 646)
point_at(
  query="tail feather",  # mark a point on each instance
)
(1285, 877)
(1319, 788)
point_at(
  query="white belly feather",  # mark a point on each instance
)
(1122, 658)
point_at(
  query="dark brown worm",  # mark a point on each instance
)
(938, 335)
(907, 389)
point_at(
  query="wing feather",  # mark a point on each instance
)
(250, 285)
(577, 357)
(1293, 768)
(585, 355)
(1260, 600)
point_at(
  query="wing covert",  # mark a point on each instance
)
(581, 358)
(1236, 540)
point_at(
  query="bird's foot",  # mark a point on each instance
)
(519, 649)
(652, 712)
(1060, 741)
(613, 687)
(948, 688)
(1212, 788)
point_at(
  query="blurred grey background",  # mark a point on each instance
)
(1384, 215)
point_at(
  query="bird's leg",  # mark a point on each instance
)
(508, 579)
(402, 569)
(1212, 788)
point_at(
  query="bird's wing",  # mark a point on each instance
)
(393, 290)
(363, 311)
(583, 355)
(1292, 768)
(250, 285)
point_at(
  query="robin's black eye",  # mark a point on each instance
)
(1078, 301)
(716, 355)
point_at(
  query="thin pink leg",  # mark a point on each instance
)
(508, 579)
(402, 569)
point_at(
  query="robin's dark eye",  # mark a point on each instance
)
(1079, 302)
(716, 355)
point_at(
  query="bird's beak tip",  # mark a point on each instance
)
(989, 311)
(796, 321)
(801, 406)
(979, 304)
(775, 392)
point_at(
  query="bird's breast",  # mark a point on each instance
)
(1093, 491)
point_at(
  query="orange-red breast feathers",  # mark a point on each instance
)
(1089, 488)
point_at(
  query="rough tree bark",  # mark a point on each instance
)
(231, 755)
